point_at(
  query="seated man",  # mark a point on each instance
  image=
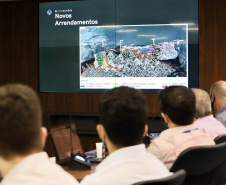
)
(204, 118)
(123, 116)
(177, 106)
(218, 101)
(22, 139)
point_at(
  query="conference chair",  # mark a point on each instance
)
(176, 179)
(220, 139)
(203, 164)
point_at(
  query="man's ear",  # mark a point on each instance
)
(101, 131)
(165, 118)
(43, 132)
(145, 130)
(212, 97)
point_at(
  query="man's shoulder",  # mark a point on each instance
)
(161, 144)
(207, 121)
(125, 169)
(40, 178)
(221, 115)
(128, 172)
(38, 172)
(56, 174)
(182, 139)
(90, 179)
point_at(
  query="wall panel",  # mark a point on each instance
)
(212, 49)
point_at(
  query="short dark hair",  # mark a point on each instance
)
(123, 114)
(178, 102)
(20, 120)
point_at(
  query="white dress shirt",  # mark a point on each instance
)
(36, 169)
(126, 166)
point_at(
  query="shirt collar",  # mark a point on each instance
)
(140, 148)
(177, 130)
(122, 154)
(204, 118)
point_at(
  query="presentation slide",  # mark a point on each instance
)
(94, 45)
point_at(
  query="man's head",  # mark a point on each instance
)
(178, 104)
(203, 103)
(20, 121)
(123, 114)
(218, 95)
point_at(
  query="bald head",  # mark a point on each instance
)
(219, 89)
(203, 103)
(218, 95)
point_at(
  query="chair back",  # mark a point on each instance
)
(220, 139)
(199, 160)
(204, 165)
(176, 179)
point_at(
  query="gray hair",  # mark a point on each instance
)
(203, 103)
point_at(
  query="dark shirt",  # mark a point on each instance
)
(221, 115)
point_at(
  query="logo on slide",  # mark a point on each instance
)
(49, 12)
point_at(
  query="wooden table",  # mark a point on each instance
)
(80, 174)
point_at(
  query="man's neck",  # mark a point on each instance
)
(7, 165)
(172, 125)
(218, 104)
(111, 146)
